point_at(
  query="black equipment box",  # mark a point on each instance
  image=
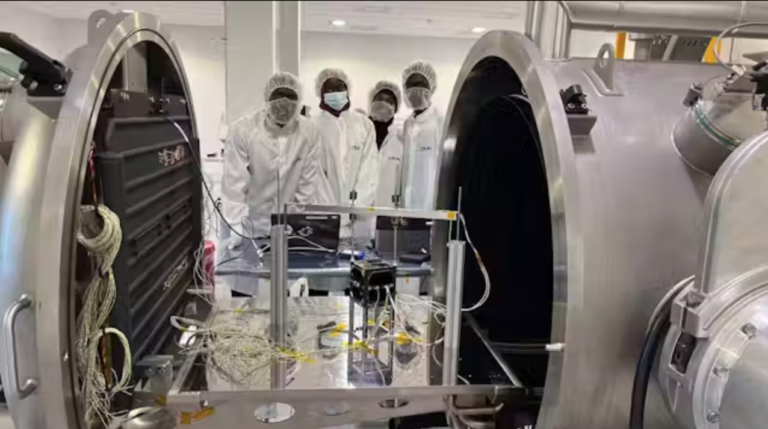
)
(146, 171)
(308, 230)
(413, 235)
(369, 282)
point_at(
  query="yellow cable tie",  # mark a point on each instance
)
(187, 418)
(338, 330)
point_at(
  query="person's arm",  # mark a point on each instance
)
(235, 177)
(314, 187)
(368, 176)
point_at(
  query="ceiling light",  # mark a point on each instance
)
(128, 11)
(478, 30)
(338, 23)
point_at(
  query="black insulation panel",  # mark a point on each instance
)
(147, 175)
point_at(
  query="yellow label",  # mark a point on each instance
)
(160, 400)
(187, 418)
(451, 215)
(203, 414)
(338, 330)
(371, 209)
(401, 339)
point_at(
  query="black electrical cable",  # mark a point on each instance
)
(202, 179)
(653, 339)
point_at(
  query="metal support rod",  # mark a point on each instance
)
(454, 289)
(534, 15)
(564, 28)
(504, 367)
(379, 211)
(278, 305)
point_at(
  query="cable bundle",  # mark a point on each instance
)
(99, 232)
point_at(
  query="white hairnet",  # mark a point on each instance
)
(424, 69)
(390, 86)
(330, 73)
(282, 80)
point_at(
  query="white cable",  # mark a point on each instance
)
(100, 234)
(740, 71)
(483, 270)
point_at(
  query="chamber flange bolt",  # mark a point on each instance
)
(713, 417)
(749, 330)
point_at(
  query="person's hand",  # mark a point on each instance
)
(233, 242)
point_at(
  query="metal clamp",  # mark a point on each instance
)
(602, 73)
(9, 322)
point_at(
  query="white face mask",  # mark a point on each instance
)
(282, 110)
(381, 111)
(418, 98)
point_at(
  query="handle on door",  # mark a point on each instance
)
(9, 323)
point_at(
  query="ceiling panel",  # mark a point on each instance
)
(422, 18)
(417, 18)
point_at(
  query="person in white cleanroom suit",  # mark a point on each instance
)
(269, 150)
(348, 138)
(384, 102)
(422, 134)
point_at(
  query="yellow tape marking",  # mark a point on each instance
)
(338, 330)
(187, 418)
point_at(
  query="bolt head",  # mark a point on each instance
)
(33, 85)
(749, 330)
(713, 417)
(720, 371)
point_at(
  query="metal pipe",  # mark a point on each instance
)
(666, 17)
(454, 286)
(564, 28)
(534, 15)
(278, 300)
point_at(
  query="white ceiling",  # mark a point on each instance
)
(416, 18)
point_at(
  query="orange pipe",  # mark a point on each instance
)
(621, 44)
(709, 55)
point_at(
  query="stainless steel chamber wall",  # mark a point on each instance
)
(12, 115)
(622, 213)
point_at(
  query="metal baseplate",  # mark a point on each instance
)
(326, 383)
(330, 407)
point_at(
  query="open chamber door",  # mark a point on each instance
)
(112, 125)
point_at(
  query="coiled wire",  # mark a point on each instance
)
(99, 232)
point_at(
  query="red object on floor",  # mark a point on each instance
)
(209, 257)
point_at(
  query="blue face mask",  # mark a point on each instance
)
(336, 100)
